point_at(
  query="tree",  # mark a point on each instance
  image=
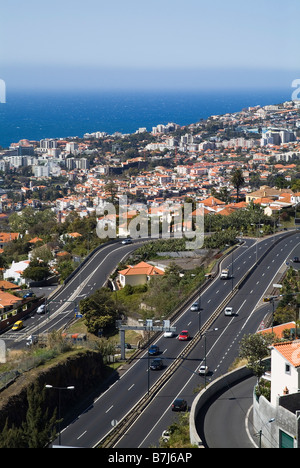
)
(255, 348)
(237, 179)
(100, 310)
(36, 271)
(37, 430)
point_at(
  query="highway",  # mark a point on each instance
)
(92, 276)
(222, 345)
(92, 425)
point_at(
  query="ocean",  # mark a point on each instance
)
(60, 114)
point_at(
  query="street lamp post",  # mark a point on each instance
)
(71, 387)
(260, 433)
(205, 352)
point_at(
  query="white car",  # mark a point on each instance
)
(165, 435)
(168, 334)
(203, 370)
(126, 241)
(195, 306)
(41, 309)
(228, 311)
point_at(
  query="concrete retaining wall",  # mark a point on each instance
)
(206, 394)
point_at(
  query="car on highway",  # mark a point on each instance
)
(179, 404)
(169, 334)
(41, 309)
(165, 435)
(184, 335)
(126, 241)
(296, 259)
(203, 370)
(17, 325)
(153, 350)
(156, 364)
(228, 311)
(195, 306)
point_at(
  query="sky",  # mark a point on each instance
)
(138, 44)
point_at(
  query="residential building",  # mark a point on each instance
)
(6, 237)
(47, 144)
(138, 274)
(278, 419)
(15, 272)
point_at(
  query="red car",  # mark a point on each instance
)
(184, 335)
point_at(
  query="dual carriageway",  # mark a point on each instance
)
(216, 342)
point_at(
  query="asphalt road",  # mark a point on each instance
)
(222, 345)
(61, 307)
(229, 412)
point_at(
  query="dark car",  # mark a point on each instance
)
(153, 350)
(156, 364)
(296, 259)
(179, 405)
(29, 294)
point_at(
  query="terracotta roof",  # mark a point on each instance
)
(8, 236)
(212, 201)
(290, 350)
(74, 234)
(279, 329)
(7, 299)
(35, 239)
(8, 285)
(141, 268)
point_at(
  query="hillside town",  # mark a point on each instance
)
(241, 169)
(225, 164)
(168, 163)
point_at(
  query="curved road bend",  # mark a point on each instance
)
(90, 427)
(88, 279)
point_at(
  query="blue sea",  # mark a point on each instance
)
(60, 114)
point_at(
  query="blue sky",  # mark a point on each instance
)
(161, 43)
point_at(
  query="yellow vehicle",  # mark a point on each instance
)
(18, 325)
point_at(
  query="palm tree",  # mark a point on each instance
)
(237, 179)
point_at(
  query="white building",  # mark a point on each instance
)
(47, 144)
(285, 369)
(14, 273)
(278, 419)
(41, 171)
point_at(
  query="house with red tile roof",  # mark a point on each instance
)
(15, 272)
(138, 274)
(35, 240)
(6, 237)
(281, 330)
(285, 369)
(8, 301)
